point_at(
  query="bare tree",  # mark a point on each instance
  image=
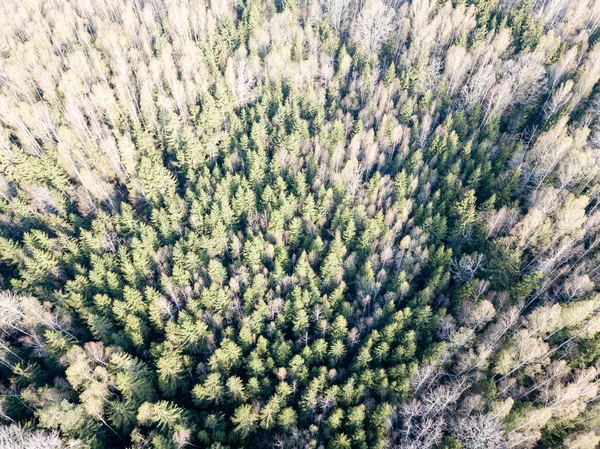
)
(15, 437)
(466, 267)
(373, 25)
(458, 63)
(337, 12)
(480, 432)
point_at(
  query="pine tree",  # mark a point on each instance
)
(390, 75)
(406, 112)
(163, 414)
(244, 419)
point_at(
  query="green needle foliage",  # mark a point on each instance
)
(299, 224)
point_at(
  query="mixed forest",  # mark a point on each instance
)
(320, 224)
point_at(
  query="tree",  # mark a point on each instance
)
(244, 419)
(163, 414)
(170, 368)
(132, 377)
(583, 440)
(14, 437)
(122, 415)
(390, 75)
(211, 390)
(523, 350)
(269, 412)
(235, 387)
(373, 25)
(479, 432)
(464, 269)
(299, 224)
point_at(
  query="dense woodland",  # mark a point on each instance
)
(299, 224)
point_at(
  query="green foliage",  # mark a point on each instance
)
(450, 443)
(244, 420)
(299, 224)
(390, 75)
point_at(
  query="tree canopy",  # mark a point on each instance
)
(326, 224)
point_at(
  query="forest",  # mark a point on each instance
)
(311, 224)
